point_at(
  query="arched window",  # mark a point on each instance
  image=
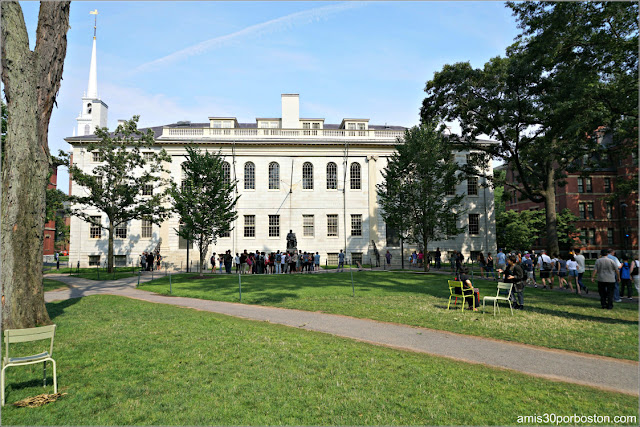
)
(355, 176)
(226, 173)
(87, 129)
(274, 176)
(332, 176)
(307, 176)
(249, 176)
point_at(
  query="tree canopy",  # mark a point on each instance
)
(125, 184)
(546, 99)
(415, 196)
(204, 200)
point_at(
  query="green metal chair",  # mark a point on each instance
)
(502, 288)
(462, 293)
(12, 336)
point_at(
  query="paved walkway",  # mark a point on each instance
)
(596, 371)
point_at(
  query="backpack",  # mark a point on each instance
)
(278, 258)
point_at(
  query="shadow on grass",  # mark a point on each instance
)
(57, 308)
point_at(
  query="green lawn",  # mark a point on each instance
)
(96, 274)
(552, 319)
(129, 362)
(52, 285)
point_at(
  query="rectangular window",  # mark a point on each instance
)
(274, 225)
(182, 242)
(120, 260)
(332, 259)
(224, 234)
(96, 156)
(583, 212)
(147, 190)
(356, 225)
(583, 236)
(147, 156)
(472, 185)
(393, 238)
(610, 236)
(580, 185)
(588, 185)
(590, 212)
(147, 229)
(94, 260)
(332, 225)
(249, 226)
(95, 231)
(307, 225)
(609, 211)
(356, 257)
(591, 236)
(474, 224)
(607, 185)
(120, 231)
(450, 183)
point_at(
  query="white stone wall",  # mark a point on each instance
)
(263, 202)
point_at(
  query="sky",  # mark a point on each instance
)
(169, 61)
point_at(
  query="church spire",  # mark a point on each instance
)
(92, 90)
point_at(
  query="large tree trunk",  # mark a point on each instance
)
(110, 249)
(550, 213)
(31, 82)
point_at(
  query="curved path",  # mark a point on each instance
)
(597, 371)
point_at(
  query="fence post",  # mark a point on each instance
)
(139, 273)
(98, 270)
(170, 287)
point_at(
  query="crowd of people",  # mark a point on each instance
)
(613, 277)
(266, 263)
(150, 261)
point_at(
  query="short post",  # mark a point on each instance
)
(98, 270)
(152, 273)
(353, 288)
(371, 263)
(170, 288)
(78, 268)
(139, 273)
(240, 286)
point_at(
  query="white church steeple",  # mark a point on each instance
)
(94, 111)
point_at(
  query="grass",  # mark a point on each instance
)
(129, 362)
(552, 319)
(96, 274)
(52, 285)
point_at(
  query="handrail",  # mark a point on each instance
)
(248, 133)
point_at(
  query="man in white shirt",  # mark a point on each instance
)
(616, 290)
(545, 273)
(581, 269)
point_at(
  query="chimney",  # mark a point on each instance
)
(290, 111)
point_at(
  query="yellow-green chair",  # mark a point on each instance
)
(463, 293)
(502, 287)
(12, 336)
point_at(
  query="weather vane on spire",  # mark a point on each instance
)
(95, 21)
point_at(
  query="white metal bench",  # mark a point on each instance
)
(12, 336)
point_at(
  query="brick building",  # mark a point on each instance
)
(601, 223)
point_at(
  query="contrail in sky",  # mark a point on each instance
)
(305, 16)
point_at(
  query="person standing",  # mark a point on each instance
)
(581, 269)
(341, 261)
(501, 263)
(438, 258)
(388, 258)
(616, 290)
(635, 268)
(489, 266)
(316, 261)
(607, 273)
(243, 262)
(482, 263)
(143, 261)
(527, 266)
(544, 263)
(236, 261)
(514, 274)
(625, 277)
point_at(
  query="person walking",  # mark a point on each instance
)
(482, 263)
(514, 274)
(562, 274)
(635, 268)
(572, 272)
(544, 264)
(607, 274)
(581, 269)
(213, 263)
(527, 266)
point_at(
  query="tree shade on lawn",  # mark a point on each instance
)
(126, 362)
